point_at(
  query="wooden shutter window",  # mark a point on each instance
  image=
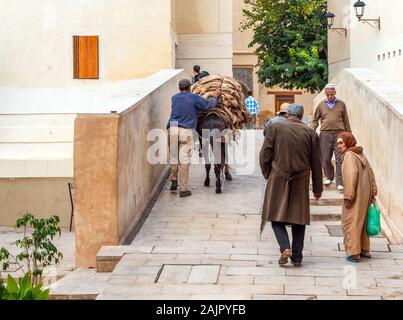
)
(85, 52)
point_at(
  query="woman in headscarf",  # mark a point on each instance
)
(359, 192)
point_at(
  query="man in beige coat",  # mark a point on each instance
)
(289, 153)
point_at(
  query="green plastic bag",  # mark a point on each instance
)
(373, 221)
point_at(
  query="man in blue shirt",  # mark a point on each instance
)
(253, 107)
(182, 122)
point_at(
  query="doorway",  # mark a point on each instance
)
(280, 99)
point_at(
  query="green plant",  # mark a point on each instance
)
(23, 290)
(2, 290)
(38, 251)
(290, 40)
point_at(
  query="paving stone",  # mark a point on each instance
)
(276, 289)
(224, 279)
(349, 297)
(172, 249)
(122, 279)
(221, 297)
(232, 250)
(256, 257)
(174, 274)
(262, 271)
(394, 283)
(136, 270)
(230, 263)
(396, 248)
(384, 292)
(340, 282)
(314, 290)
(215, 256)
(282, 297)
(189, 256)
(129, 290)
(102, 296)
(209, 243)
(290, 280)
(145, 279)
(204, 274)
(400, 298)
(211, 289)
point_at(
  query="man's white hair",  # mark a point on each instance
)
(330, 86)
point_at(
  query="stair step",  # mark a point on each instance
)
(326, 202)
(326, 213)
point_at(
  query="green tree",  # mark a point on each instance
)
(291, 42)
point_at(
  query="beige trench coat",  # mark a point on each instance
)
(289, 153)
(359, 187)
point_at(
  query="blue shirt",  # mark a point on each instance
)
(268, 123)
(252, 105)
(185, 106)
(331, 104)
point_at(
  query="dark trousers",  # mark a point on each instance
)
(298, 235)
(328, 146)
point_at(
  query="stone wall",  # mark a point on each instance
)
(375, 108)
(115, 183)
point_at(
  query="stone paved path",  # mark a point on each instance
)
(208, 247)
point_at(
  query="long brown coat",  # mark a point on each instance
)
(289, 152)
(359, 187)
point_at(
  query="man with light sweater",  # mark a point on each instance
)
(333, 117)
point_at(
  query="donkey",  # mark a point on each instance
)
(216, 126)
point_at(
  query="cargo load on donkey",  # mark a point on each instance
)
(232, 108)
(229, 116)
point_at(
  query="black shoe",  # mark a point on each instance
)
(183, 194)
(174, 185)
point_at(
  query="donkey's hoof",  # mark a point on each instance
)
(200, 154)
(218, 191)
(228, 177)
(207, 183)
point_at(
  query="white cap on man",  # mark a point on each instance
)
(283, 108)
(330, 86)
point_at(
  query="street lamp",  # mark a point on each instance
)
(359, 7)
(330, 21)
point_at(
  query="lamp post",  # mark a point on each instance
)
(330, 21)
(359, 7)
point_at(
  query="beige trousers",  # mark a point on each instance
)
(180, 141)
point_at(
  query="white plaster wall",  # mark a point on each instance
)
(365, 43)
(37, 124)
(204, 31)
(37, 45)
(375, 108)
